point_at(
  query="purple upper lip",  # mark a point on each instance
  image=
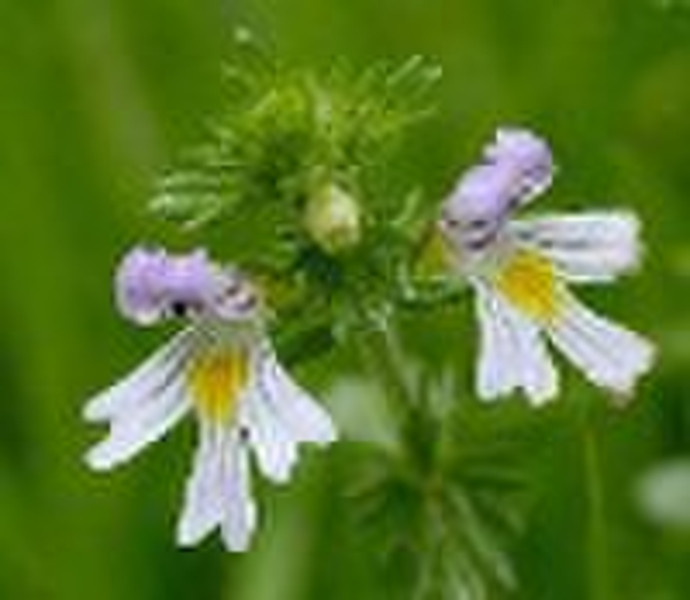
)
(516, 167)
(151, 283)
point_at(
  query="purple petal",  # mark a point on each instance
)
(483, 191)
(138, 283)
(481, 202)
(527, 155)
(190, 279)
(151, 284)
(518, 166)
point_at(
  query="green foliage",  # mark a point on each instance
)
(444, 505)
(284, 136)
(284, 132)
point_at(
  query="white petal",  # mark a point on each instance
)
(590, 247)
(219, 491)
(495, 372)
(513, 353)
(140, 426)
(142, 383)
(305, 418)
(276, 449)
(239, 511)
(202, 510)
(608, 354)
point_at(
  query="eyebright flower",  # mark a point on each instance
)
(222, 368)
(520, 270)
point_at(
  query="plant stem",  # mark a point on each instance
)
(596, 515)
(382, 355)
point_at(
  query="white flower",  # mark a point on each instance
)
(520, 270)
(225, 372)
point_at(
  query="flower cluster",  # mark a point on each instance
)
(295, 158)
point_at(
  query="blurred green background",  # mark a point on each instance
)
(97, 96)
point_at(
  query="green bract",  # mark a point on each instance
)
(291, 178)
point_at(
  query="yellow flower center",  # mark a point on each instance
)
(216, 380)
(529, 282)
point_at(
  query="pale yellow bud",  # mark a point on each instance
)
(333, 219)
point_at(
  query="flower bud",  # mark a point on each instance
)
(333, 219)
